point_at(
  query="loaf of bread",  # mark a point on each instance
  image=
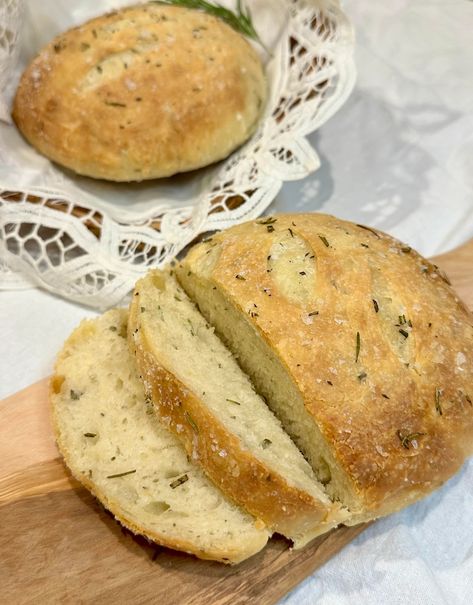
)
(143, 92)
(202, 395)
(114, 445)
(358, 344)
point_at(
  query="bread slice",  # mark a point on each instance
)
(115, 446)
(209, 403)
(358, 344)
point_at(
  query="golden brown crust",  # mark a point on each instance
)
(368, 394)
(140, 93)
(236, 471)
(224, 555)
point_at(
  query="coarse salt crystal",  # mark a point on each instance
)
(307, 319)
(130, 84)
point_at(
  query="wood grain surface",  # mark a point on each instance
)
(59, 545)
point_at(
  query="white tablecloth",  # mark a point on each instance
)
(398, 156)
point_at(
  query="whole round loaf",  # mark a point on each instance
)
(141, 93)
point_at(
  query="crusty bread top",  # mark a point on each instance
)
(115, 446)
(374, 337)
(143, 92)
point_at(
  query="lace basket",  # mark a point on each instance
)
(85, 240)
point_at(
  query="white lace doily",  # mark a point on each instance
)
(84, 240)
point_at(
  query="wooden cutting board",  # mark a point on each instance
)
(58, 545)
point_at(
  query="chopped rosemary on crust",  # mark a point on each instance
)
(267, 221)
(438, 405)
(369, 229)
(190, 420)
(358, 347)
(406, 440)
(115, 104)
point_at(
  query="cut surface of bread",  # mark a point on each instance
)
(115, 446)
(358, 344)
(144, 92)
(201, 393)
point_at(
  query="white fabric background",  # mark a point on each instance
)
(399, 156)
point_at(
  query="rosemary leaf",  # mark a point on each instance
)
(121, 474)
(240, 19)
(179, 481)
(407, 439)
(233, 401)
(324, 240)
(267, 221)
(114, 104)
(190, 420)
(370, 230)
(358, 346)
(438, 405)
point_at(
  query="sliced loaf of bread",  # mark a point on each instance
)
(360, 346)
(115, 446)
(203, 396)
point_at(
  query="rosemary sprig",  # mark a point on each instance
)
(240, 19)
